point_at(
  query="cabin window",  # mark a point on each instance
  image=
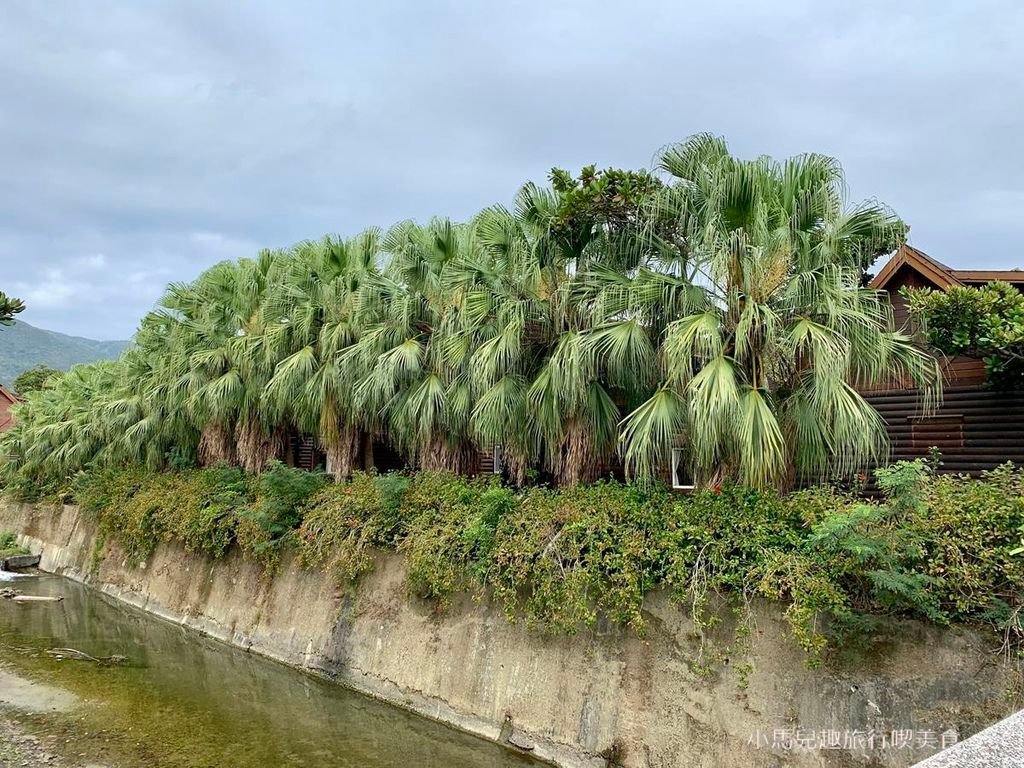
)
(681, 478)
(305, 453)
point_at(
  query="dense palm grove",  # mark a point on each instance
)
(716, 305)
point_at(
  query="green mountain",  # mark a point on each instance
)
(23, 345)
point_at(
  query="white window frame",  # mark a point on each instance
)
(677, 457)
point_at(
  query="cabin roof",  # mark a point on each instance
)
(937, 273)
(8, 395)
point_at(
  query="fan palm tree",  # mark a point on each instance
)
(311, 318)
(558, 373)
(221, 362)
(56, 430)
(410, 366)
(718, 308)
(9, 307)
(506, 292)
(759, 376)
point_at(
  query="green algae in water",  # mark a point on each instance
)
(185, 701)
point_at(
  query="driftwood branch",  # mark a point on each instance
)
(74, 653)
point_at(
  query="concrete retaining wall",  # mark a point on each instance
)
(575, 697)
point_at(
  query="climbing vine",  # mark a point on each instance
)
(938, 548)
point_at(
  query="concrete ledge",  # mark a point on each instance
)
(999, 746)
(15, 562)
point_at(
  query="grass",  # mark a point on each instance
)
(9, 545)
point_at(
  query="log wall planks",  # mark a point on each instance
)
(975, 429)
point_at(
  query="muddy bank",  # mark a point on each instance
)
(30, 732)
(18, 693)
(663, 700)
(19, 749)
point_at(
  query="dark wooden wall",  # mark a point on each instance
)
(303, 451)
(975, 429)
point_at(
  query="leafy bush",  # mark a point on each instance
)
(717, 541)
(939, 548)
(562, 558)
(343, 521)
(203, 509)
(34, 378)
(112, 496)
(451, 523)
(138, 509)
(986, 322)
(276, 511)
(969, 534)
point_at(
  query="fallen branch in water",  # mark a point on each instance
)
(74, 653)
(36, 599)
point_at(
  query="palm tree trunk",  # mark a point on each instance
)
(368, 463)
(515, 462)
(342, 451)
(578, 461)
(442, 456)
(256, 447)
(216, 446)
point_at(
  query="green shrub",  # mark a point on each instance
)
(969, 533)
(562, 558)
(138, 508)
(268, 523)
(450, 524)
(344, 520)
(938, 548)
(717, 540)
(112, 496)
(874, 550)
(202, 508)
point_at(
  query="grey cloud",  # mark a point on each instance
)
(168, 136)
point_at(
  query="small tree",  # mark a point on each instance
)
(986, 322)
(9, 307)
(34, 378)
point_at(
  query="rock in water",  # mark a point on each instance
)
(517, 740)
(510, 735)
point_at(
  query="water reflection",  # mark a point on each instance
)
(190, 701)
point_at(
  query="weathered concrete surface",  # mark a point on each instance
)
(999, 746)
(576, 697)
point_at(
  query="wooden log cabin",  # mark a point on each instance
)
(976, 428)
(7, 400)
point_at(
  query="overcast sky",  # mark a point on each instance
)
(141, 142)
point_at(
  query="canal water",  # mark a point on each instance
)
(185, 701)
